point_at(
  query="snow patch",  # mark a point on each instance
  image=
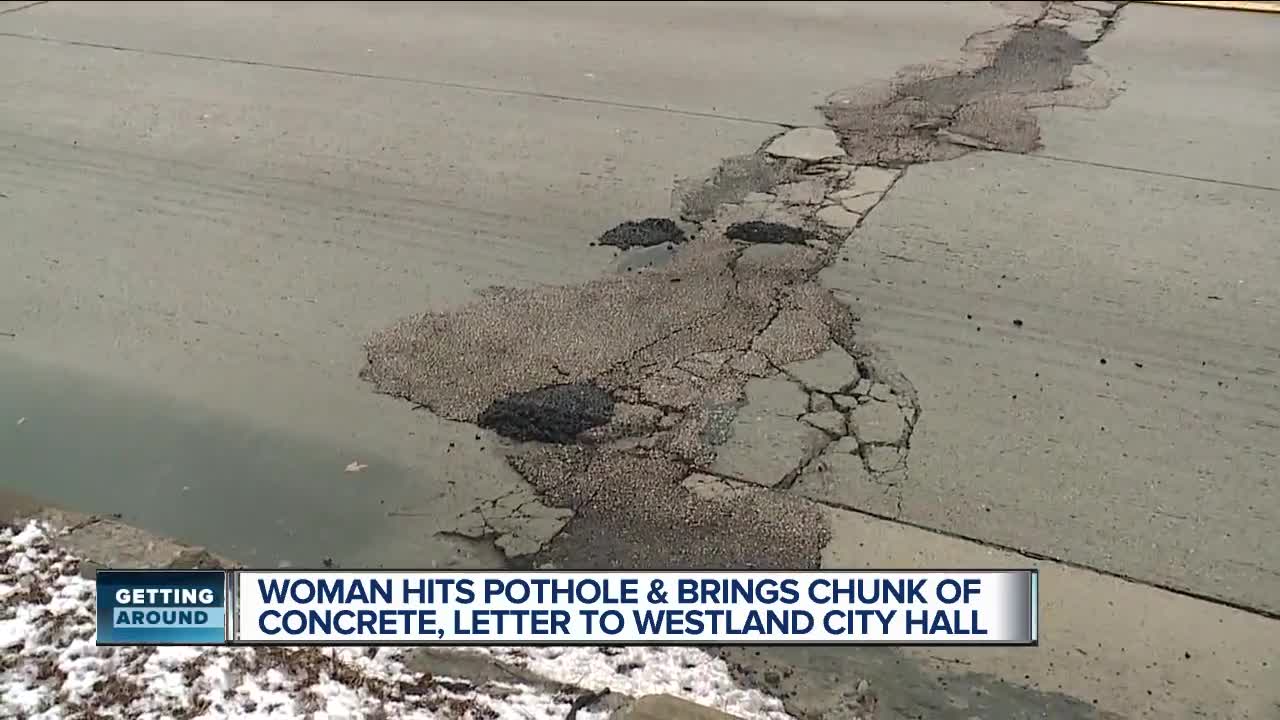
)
(50, 667)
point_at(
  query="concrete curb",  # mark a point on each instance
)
(102, 541)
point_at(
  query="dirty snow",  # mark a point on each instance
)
(50, 667)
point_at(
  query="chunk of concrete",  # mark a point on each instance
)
(877, 422)
(831, 421)
(766, 444)
(860, 204)
(805, 192)
(810, 144)
(829, 372)
(845, 445)
(837, 217)
(881, 458)
(871, 179)
(668, 707)
(820, 402)
(840, 479)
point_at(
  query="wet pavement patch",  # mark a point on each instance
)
(553, 414)
(758, 231)
(643, 233)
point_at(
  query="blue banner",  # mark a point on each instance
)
(162, 607)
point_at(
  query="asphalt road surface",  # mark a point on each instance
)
(1056, 341)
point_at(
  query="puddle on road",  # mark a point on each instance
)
(258, 497)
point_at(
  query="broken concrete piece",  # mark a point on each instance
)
(810, 144)
(877, 422)
(871, 179)
(831, 421)
(765, 442)
(819, 402)
(839, 478)
(861, 203)
(519, 523)
(863, 387)
(881, 392)
(758, 197)
(829, 372)
(846, 402)
(805, 192)
(845, 445)
(882, 458)
(837, 217)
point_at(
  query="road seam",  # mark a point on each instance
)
(554, 97)
(20, 8)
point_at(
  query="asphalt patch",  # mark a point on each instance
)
(553, 414)
(760, 232)
(643, 233)
(941, 118)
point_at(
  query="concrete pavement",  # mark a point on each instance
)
(215, 205)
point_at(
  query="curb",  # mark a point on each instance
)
(103, 542)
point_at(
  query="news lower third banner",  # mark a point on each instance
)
(334, 607)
